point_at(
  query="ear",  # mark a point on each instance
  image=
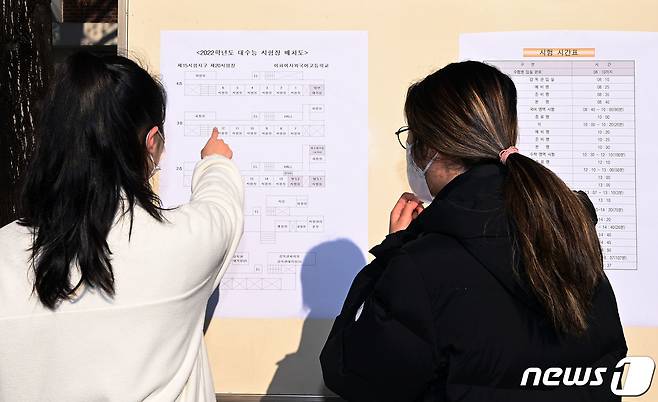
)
(151, 142)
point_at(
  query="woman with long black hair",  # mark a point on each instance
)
(102, 291)
(502, 272)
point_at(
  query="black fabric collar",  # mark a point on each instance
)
(470, 209)
(463, 209)
(470, 206)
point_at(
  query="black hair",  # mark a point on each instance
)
(90, 161)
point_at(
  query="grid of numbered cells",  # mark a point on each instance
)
(578, 119)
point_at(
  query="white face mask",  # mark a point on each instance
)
(416, 177)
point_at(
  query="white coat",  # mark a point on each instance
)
(146, 343)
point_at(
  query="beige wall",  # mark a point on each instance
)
(407, 40)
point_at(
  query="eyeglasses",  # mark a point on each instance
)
(403, 134)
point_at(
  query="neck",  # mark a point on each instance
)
(440, 174)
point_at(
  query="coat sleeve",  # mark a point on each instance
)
(388, 353)
(218, 201)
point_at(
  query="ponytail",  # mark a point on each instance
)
(556, 239)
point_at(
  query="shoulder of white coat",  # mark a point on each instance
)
(12, 234)
(15, 244)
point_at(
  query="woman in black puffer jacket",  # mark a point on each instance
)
(501, 272)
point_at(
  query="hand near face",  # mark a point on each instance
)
(405, 210)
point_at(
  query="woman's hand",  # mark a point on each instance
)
(405, 210)
(216, 146)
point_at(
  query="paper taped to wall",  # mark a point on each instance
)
(293, 106)
(586, 109)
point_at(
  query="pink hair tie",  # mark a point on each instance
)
(505, 153)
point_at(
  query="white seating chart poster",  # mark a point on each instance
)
(587, 108)
(293, 107)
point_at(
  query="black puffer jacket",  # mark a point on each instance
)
(445, 318)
